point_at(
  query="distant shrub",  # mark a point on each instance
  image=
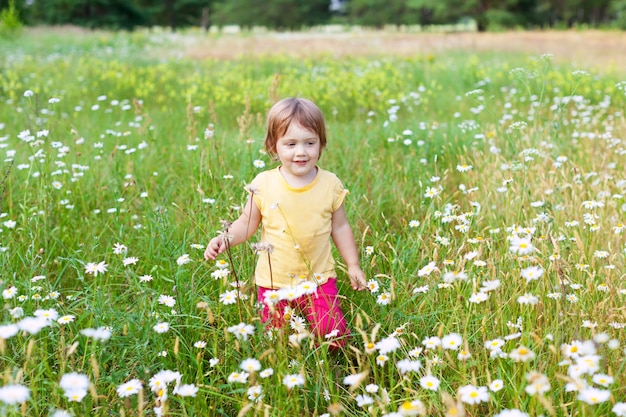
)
(10, 23)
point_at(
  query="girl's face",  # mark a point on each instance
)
(298, 150)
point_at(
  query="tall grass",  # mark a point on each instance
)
(449, 160)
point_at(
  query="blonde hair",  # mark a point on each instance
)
(299, 110)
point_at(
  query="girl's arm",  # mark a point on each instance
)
(238, 232)
(344, 241)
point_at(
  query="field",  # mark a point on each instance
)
(486, 195)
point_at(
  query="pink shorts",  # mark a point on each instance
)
(322, 311)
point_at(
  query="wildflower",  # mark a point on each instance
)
(463, 355)
(259, 163)
(412, 408)
(129, 388)
(250, 365)
(452, 341)
(463, 167)
(431, 342)
(221, 264)
(511, 413)
(167, 300)
(572, 298)
(589, 324)
(119, 249)
(532, 273)
(220, 273)
(602, 379)
(146, 278)
(527, 298)
(371, 388)
(271, 298)
(384, 298)
(9, 293)
(451, 276)
(183, 259)
(381, 359)
(242, 330)
(74, 381)
(594, 395)
(432, 192)
(470, 394)
(521, 246)
(229, 297)
(430, 382)
(266, 373)
(363, 400)
(422, 289)
(75, 395)
(255, 393)
(478, 297)
(293, 380)
(369, 250)
(238, 377)
(589, 364)
(161, 327)
(354, 380)
(65, 319)
(14, 394)
(373, 285)
(8, 330)
(408, 365)
(307, 288)
(490, 285)
(496, 385)
(96, 268)
(387, 345)
(186, 390)
(494, 344)
(426, 270)
(33, 325)
(522, 354)
(131, 260)
(414, 223)
(619, 409)
(101, 333)
(537, 383)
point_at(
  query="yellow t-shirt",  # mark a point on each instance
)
(297, 223)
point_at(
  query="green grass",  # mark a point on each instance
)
(138, 170)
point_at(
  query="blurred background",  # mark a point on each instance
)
(478, 15)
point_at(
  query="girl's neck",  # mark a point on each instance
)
(296, 181)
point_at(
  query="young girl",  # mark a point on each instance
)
(300, 207)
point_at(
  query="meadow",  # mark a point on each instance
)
(487, 197)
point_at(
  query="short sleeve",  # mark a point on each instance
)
(255, 190)
(339, 195)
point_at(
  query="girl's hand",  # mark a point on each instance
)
(357, 278)
(214, 248)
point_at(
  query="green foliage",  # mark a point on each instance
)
(618, 7)
(10, 23)
(110, 14)
(293, 14)
(277, 14)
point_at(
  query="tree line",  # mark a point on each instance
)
(297, 14)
